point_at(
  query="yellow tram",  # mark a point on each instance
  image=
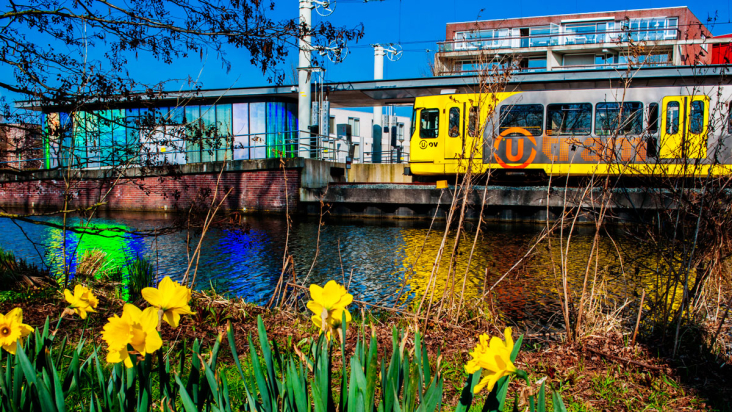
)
(673, 131)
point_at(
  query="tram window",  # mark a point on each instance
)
(473, 121)
(574, 119)
(696, 120)
(429, 123)
(609, 119)
(672, 117)
(454, 122)
(526, 116)
(653, 118)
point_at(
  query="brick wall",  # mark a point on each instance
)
(262, 190)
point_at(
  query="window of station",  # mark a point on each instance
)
(529, 117)
(473, 121)
(672, 117)
(696, 119)
(653, 118)
(610, 119)
(429, 121)
(569, 119)
(454, 122)
(355, 126)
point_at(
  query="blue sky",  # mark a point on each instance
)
(416, 24)
(419, 24)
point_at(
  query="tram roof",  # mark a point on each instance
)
(403, 91)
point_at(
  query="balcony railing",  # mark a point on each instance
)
(559, 39)
(619, 66)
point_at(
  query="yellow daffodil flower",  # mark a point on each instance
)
(82, 301)
(137, 328)
(328, 305)
(493, 356)
(12, 330)
(171, 298)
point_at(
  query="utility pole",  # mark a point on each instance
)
(303, 81)
(378, 110)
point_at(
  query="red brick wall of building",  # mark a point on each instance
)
(262, 190)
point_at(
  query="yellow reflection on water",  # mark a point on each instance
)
(618, 270)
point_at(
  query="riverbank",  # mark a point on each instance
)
(602, 373)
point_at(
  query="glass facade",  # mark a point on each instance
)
(171, 135)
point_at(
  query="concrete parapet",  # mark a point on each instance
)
(532, 203)
(378, 173)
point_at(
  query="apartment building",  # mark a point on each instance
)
(670, 36)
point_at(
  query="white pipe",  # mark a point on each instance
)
(376, 133)
(303, 84)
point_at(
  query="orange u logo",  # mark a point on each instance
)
(519, 150)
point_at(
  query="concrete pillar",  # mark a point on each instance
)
(676, 55)
(303, 83)
(553, 60)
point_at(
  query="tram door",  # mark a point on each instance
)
(684, 127)
(454, 142)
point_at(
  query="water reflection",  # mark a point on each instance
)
(373, 256)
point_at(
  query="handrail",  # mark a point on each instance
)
(148, 150)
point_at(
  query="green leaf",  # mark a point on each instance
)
(516, 348)
(557, 402)
(433, 397)
(541, 401)
(263, 388)
(184, 397)
(45, 398)
(267, 355)
(212, 384)
(466, 396)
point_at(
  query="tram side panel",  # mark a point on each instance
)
(578, 133)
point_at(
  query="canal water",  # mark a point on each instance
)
(375, 257)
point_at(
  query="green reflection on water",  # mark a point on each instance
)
(120, 248)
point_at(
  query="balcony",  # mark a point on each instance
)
(558, 39)
(615, 66)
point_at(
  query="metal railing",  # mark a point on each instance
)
(559, 39)
(153, 152)
(601, 66)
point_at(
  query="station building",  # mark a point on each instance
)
(184, 133)
(671, 36)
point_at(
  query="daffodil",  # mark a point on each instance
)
(137, 328)
(170, 297)
(13, 330)
(494, 356)
(81, 301)
(328, 305)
